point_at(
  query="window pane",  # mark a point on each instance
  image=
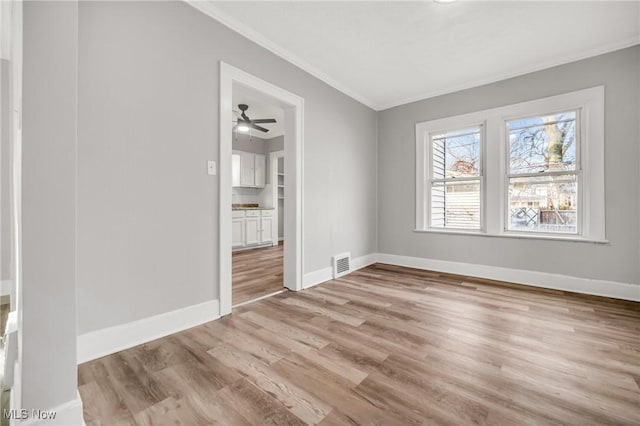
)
(544, 204)
(455, 205)
(456, 154)
(544, 143)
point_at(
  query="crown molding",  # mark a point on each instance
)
(225, 19)
(600, 50)
(212, 11)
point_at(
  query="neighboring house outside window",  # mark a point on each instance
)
(456, 179)
(534, 169)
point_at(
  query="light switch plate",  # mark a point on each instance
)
(211, 167)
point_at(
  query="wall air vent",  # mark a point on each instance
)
(341, 264)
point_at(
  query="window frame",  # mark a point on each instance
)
(430, 181)
(589, 107)
(577, 173)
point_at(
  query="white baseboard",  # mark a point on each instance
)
(363, 261)
(317, 277)
(612, 289)
(99, 343)
(322, 275)
(67, 414)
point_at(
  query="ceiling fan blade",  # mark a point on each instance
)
(255, 126)
(264, 120)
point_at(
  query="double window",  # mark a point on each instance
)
(530, 169)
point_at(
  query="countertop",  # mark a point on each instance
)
(249, 207)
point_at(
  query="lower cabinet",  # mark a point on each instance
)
(252, 228)
(237, 232)
(266, 230)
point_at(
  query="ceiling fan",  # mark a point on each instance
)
(244, 123)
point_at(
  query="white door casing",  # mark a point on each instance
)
(293, 106)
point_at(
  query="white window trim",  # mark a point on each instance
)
(424, 208)
(590, 106)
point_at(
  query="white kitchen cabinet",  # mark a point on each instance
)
(252, 228)
(259, 170)
(237, 232)
(235, 169)
(266, 230)
(248, 169)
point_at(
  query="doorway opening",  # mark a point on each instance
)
(252, 219)
(257, 196)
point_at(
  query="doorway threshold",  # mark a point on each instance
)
(259, 298)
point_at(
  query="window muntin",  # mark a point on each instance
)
(455, 184)
(543, 174)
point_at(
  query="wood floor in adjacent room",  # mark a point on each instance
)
(257, 272)
(385, 345)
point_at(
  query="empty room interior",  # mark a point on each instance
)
(320, 212)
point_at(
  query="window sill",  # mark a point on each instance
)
(567, 238)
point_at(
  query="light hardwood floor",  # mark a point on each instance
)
(385, 345)
(256, 273)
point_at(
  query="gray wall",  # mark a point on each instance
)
(275, 144)
(242, 142)
(617, 261)
(147, 210)
(49, 204)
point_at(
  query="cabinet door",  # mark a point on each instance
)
(235, 169)
(266, 229)
(252, 230)
(260, 170)
(237, 232)
(247, 166)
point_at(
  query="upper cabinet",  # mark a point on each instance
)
(259, 170)
(248, 169)
(235, 169)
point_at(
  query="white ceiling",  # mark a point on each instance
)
(258, 108)
(389, 53)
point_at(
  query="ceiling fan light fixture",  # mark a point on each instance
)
(245, 123)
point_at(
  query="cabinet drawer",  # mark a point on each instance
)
(253, 213)
(267, 213)
(237, 213)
